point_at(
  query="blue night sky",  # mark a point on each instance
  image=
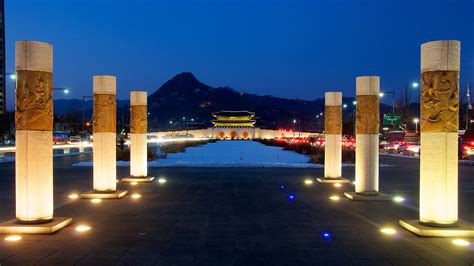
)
(292, 49)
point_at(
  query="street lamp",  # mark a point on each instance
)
(354, 102)
(415, 85)
(381, 94)
(416, 120)
(344, 105)
(64, 90)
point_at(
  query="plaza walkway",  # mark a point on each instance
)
(235, 216)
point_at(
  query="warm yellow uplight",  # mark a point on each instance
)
(73, 196)
(398, 199)
(308, 181)
(96, 200)
(136, 196)
(13, 238)
(82, 228)
(388, 231)
(334, 198)
(133, 183)
(460, 242)
(337, 185)
(161, 180)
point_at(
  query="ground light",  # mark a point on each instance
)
(133, 183)
(398, 199)
(82, 228)
(136, 196)
(460, 242)
(308, 181)
(282, 187)
(326, 235)
(334, 198)
(337, 185)
(96, 200)
(291, 197)
(161, 180)
(73, 196)
(388, 230)
(13, 238)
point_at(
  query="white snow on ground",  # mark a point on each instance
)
(231, 154)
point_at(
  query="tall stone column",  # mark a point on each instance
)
(105, 139)
(367, 140)
(333, 139)
(138, 138)
(34, 141)
(439, 124)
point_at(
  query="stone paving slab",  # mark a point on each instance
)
(235, 217)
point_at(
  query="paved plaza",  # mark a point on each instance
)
(238, 216)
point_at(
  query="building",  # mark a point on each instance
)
(232, 125)
(234, 119)
(2, 62)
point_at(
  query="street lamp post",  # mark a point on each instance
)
(416, 120)
(83, 118)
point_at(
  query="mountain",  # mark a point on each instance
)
(185, 102)
(185, 96)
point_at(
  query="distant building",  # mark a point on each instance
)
(233, 119)
(2, 62)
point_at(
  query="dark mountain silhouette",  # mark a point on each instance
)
(188, 103)
(185, 96)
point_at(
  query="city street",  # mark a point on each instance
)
(238, 216)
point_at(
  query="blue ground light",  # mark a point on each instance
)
(326, 235)
(291, 197)
(282, 187)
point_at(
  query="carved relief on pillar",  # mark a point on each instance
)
(104, 113)
(34, 100)
(439, 101)
(138, 119)
(333, 120)
(367, 114)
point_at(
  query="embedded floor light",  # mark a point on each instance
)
(136, 196)
(337, 185)
(161, 180)
(308, 181)
(13, 238)
(460, 242)
(398, 199)
(133, 183)
(334, 198)
(73, 196)
(96, 200)
(388, 231)
(82, 228)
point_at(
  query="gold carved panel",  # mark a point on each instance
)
(34, 100)
(138, 119)
(333, 120)
(367, 114)
(439, 101)
(104, 113)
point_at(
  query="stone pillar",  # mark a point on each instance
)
(439, 124)
(333, 139)
(367, 140)
(105, 139)
(34, 131)
(138, 138)
(34, 141)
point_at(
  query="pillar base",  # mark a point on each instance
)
(328, 180)
(373, 196)
(104, 195)
(14, 227)
(138, 179)
(460, 229)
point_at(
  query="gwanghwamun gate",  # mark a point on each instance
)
(233, 125)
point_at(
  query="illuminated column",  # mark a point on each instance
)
(104, 130)
(367, 139)
(439, 108)
(34, 141)
(138, 138)
(333, 139)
